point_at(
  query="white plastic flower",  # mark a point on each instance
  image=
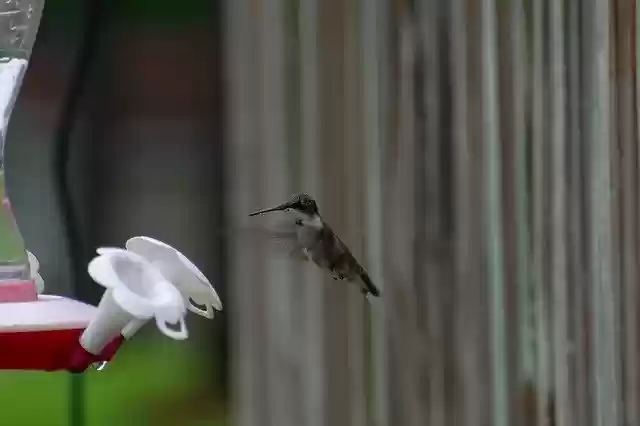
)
(181, 272)
(139, 289)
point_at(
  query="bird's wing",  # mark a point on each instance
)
(275, 238)
(288, 242)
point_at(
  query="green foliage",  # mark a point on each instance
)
(11, 243)
(145, 373)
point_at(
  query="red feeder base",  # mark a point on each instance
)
(45, 335)
(50, 351)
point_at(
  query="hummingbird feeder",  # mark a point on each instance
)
(146, 280)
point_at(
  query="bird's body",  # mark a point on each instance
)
(317, 242)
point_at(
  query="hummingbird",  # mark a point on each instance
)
(316, 242)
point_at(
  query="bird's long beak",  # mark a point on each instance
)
(280, 207)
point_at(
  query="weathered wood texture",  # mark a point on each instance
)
(481, 159)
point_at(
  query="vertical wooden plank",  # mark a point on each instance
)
(630, 15)
(293, 157)
(404, 404)
(508, 108)
(602, 292)
(491, 138)
(635, 40)
(519, 46)
(374, 42)
(477, 293)
(539, 211)
(472, 322)
(444, 244)
(332, 27)
(558, 212)
(423, 286)
(243, 156)
(355, 153)
(616, 209)
(314, 377)
(517, 109)
(430, 262)
(629, 181)
(577, 222)
(472, 407)
(281, 348)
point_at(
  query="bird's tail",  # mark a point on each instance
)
(369, 286)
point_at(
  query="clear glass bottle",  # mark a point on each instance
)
(19, 21)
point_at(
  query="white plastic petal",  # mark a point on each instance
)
(34, 264)
(101, 271)
(39, 282)
(107, 250)
(34, 267)
(180, 271)
(180, 334)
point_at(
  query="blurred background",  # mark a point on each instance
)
(479, 157)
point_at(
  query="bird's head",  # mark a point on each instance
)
(301, 203)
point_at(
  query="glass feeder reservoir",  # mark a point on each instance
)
(19, 20)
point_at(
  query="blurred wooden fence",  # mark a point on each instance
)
(481, 158)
